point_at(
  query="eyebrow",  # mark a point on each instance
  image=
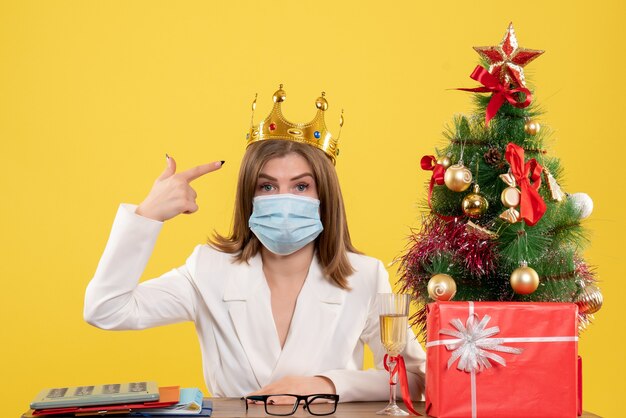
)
(267, 176)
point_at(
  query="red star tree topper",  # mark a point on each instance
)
(507, 59)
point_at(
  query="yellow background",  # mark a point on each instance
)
(94, 93)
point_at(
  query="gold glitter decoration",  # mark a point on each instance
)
(481, 231)
(554, 188)
(589, 300)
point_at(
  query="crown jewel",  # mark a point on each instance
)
(314, 133)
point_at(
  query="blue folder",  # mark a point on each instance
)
(207, 409)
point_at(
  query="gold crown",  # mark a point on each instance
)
(314, 133)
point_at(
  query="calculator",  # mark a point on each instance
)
(109, 394)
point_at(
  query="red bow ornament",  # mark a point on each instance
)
(398, 372)
(500, 92)
(528, 176)
(429, 163)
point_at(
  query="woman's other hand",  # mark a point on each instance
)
(171, 193)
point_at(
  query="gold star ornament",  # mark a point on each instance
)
(508, 59)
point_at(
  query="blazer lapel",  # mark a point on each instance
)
(248, 299)
(314, 320)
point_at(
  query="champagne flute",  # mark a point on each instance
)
(394, 314)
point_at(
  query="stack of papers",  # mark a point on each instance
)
(190, 403)
(133, 399)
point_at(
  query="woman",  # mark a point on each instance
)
(285, 303)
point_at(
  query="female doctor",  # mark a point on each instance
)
(285, 303)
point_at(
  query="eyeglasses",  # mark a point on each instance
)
(287, 404)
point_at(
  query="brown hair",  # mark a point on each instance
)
(332, 244)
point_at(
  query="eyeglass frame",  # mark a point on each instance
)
(305, 398)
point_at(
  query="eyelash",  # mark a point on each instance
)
(263, 187)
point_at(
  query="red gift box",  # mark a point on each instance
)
(502, 360)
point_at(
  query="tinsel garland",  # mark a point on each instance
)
(474, 254)
(470, 253)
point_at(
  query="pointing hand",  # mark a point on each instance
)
(171, 192)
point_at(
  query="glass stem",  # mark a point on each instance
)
(393, 380)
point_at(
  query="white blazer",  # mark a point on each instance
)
(230, 306)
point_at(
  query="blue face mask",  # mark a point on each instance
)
(284, 223)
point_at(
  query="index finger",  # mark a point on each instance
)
(200, 170)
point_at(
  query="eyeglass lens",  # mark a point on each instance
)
(281, 405)
(284, 405)
(321, 405)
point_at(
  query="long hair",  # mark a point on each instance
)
(332, 245)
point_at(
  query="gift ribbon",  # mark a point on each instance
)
(400, 370)
(500, 92)
(532, 206)
(429, 163)
(473, 341)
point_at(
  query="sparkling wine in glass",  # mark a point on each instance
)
(394, 314)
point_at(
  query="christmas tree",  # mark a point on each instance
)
(498, 226)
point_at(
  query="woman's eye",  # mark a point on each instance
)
(267, 187)
(302, 187)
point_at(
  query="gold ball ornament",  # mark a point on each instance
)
(321, 103)
(532, 127)
(457, 178)
(475, 204)
(441, 287)
(280, 95)
(445, 161)
(590, 300)
(524, 280)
